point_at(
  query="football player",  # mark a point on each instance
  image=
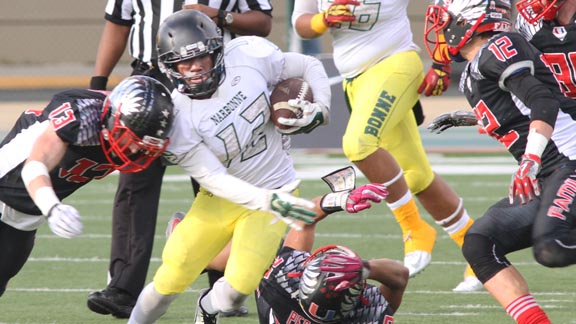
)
(329, 285)
(81, 135)
(223, 138)
(381, 71)
(518, 102)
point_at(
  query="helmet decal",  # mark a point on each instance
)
(136, 118)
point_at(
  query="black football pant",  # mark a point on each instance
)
(15, 248)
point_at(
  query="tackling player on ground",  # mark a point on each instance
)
(329, 285)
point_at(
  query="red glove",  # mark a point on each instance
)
(437, 80)
(524, 183)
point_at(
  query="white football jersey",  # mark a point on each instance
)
(381, 29)
(235, 122)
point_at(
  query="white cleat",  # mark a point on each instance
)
(470, 284)
(417, 261)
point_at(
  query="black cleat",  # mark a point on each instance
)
(111, 301)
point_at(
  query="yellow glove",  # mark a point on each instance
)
(338, 12)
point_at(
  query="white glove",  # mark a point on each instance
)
(313, 115)
(289, 208)
(64, 221)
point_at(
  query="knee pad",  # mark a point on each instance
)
(550, 253)
(224, 297)
(484, 256)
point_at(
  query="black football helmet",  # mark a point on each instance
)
(184, 35)
(136, 118)
(326, 295)
(534, 10)
(458, 21)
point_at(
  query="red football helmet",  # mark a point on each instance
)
(459, 21)
(331, 283)
(534, 10)
(136, 118)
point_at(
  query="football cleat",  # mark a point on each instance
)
(470, 283)
(417, 261)
(418, 246)
(111, 301)
(201, 316)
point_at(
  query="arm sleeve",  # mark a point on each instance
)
(535, 95)
(302, 7)
(201, 164)
(310, 69)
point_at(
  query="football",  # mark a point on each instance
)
(293, 88)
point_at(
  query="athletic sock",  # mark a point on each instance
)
(414, 228)
(458, 230)
(525, 310)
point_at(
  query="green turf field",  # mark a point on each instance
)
(53, 285)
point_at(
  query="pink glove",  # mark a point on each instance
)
(360, 198)
(524, 183)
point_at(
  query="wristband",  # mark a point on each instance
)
(536, 143)
(221, 15)
(45, 198)
(317, 23)
(98, 82)
(333, 201)
(33, 169)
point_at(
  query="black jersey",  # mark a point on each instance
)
(277, 295)
(502, 113)
(75, 115)
(558, 46)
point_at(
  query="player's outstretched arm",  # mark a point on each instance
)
(46, 153)
(393, 277)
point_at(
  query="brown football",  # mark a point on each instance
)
(293, 88)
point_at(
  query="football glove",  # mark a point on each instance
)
(64, 221)
(354, 201)
(524, 183)
(288, 208)
(338, 12)
(313, 115)
(437, 80)
(345, 270)
(452, 119)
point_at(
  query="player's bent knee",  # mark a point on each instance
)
(549, 253)
(483, 256)
(356, 150)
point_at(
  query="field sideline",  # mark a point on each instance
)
(53, 285)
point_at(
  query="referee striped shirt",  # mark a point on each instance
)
(144, 17)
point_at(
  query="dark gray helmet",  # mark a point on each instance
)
(184, 35)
